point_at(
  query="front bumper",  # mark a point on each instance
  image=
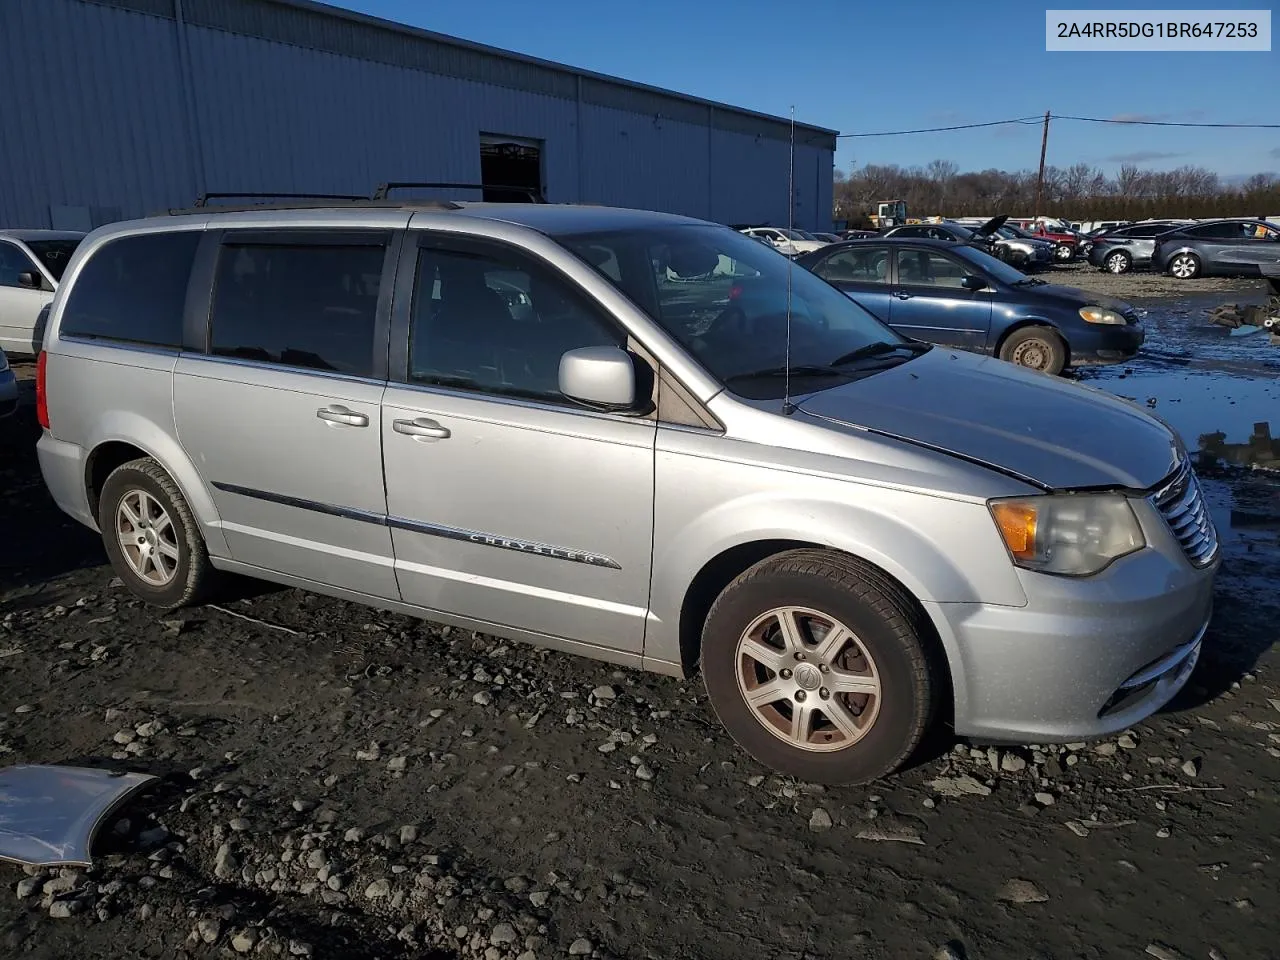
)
(1085, 657)
(1105, 343)
(8, 392)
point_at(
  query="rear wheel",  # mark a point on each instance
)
(1185, 266)
(151, 537)
(820, 667)
(1118, 262)
(1063, 252)
(1036, 348)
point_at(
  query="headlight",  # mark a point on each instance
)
(1101, 315)
(1070, 534)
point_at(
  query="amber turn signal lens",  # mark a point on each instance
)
(1017, 523)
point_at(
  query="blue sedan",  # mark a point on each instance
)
(958, 296)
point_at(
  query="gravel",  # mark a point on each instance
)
(362, 763)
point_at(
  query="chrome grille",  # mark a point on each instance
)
(1182, 505)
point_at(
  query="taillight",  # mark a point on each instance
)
(42, 394)
(735, 291)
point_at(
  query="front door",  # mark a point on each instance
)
(281, 415)
(20, 305)
(508, 503)
(930, 301)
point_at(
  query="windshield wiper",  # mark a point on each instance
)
(878, 349)
(1029, 282)
(799, 370)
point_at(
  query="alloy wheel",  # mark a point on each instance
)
(808, 679)
(1184, 266)
(148, 538)
(1117, 263)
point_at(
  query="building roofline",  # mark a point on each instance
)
(342, 13)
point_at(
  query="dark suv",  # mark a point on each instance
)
(1220, 248)
(1126, 248)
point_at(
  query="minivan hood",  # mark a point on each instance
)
(1040, 428)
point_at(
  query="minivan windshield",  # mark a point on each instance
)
(54, 255)
(724, 297)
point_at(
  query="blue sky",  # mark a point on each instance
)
(856, 66)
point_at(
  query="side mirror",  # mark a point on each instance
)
(30, 279)
(970, 282)
(602, 377)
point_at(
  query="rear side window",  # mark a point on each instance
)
(133, 289)
(299, 305)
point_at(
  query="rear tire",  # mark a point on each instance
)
(152, 539)
(1118, 262)
(1185, 266)
(1063, 252)
(821, 667)
(1036, 348)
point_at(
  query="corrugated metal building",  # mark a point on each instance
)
(115, 108)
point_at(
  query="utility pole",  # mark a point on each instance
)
(1044, 145)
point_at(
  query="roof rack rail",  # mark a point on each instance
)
(533, 193)
(204, 198)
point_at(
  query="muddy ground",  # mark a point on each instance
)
(339, 782)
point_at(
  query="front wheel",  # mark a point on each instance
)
(1063, 252)
(820, 667)
(151, 537)
(1036, 348)
(1118, 262)
(1185, 266)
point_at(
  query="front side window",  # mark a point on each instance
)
(727, 301)
(298, 305)
(924, 268)
(1216, 231)
(492, 320)
(12, 263)
(856, 265)
(54, 254)
(133, 289)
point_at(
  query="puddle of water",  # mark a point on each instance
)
(1205, 403)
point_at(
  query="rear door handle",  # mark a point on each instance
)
(902, 296)
(422, 428)
(341, 416)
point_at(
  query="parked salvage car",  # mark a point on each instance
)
(1219, 248)
(31, 264)
(8, 387)
(1129, 247)
(1066, 243)
(954, 294)
(1019, 249)
(850, 533)
(784, 240)
(983, 237)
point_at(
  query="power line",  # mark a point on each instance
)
(1055, 116)
(960, 126)
(1173, 123)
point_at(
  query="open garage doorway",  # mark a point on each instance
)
(510, 168)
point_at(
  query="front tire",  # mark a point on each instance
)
(821, 667)
(1118, 262)
(1063, 252)
(1036, 348)
(1185, 266)
(151, 537)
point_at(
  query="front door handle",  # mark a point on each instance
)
(422, 428)
(341, 416)
(902, 296)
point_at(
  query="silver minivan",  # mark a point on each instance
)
(639, 437)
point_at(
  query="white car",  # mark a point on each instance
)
(784, 240)
(31, 264)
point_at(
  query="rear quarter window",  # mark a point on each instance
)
(133, 289)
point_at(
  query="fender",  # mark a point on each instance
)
(161, 445)
(914, 543)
